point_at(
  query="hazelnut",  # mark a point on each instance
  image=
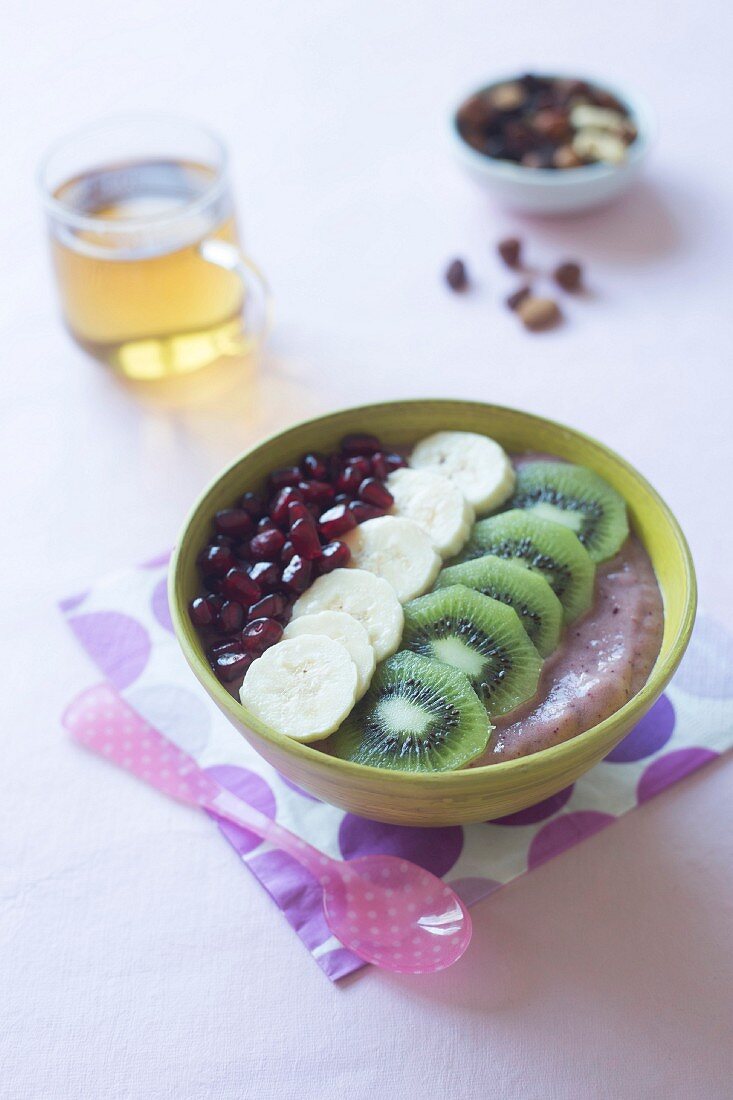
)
(538, 314)
(507, 97)
(566, 157)
(585, 116)
(551, 124)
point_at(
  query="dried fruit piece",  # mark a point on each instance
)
(515, 299)
(568, 275)
(456, 276)
(510, 250)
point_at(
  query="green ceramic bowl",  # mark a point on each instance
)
(476, 794)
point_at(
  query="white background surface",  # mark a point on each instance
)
(138, 959)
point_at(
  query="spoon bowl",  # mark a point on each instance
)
(395, 914)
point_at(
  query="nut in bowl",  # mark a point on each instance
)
(529, 567)
(552, 144)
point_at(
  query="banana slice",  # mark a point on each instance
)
(368, 599)
(435, 504)
(345, 629)
(476, 464)
(397, 550)
(303, 687)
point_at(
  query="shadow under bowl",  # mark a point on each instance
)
(474, 794)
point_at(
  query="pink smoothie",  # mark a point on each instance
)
(603, 659)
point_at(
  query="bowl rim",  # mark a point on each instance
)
(639, 107)
(470, 778)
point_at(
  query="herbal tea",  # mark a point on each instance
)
(135, 289)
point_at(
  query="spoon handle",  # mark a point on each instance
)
(102, 721)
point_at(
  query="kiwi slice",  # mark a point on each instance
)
(544, 547)
(418, 716)
(538, 608)
(480, 637)
(578, 498)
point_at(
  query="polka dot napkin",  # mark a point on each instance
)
(124, 625)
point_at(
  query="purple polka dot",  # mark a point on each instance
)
(251, 788)
(157, 562)
(707, 667)
(339, 963)
(118, 644)
(159, 605)
(669, 768)
(72, 602)
(295, 892)
(649, 735)
(434, 849)
(471, 890)
(297, 789)
(532, 814)
(563, 833)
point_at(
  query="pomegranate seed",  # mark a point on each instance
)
(222, 540)
(253, 504)
(234, 522)
(297, 574)
(265, 524)
(349, 480)
(314, 466)
(297, 510)
(216, 601)
(374, 492)
(259, 634)
(230, 666)
(335, 555)
(265, 574)
(216, 560)
(267, 545)
(305, 540)
(231, 617)
(270, 607)
(360, 444)
(384, 464)
(279, 506)
(316, 492)
(201, 611)
(287, 552)
(363, 464)
(336, 521)
(362, 512)
(288, 475)
(336, 465)
(239, 586)
(342, 498)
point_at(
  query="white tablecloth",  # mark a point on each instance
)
(137, 959)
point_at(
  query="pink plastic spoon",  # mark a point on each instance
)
(385, 909)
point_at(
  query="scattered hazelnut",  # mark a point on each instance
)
(568, 275)
(584, 117)
(510, 250)
(514, 300)
(538, 314)
(456, 275)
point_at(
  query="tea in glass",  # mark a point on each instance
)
(142, 287)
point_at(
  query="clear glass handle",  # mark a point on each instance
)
(257, 298)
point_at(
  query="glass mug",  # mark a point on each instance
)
(145, 248)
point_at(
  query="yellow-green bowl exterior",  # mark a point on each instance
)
(475, 794)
